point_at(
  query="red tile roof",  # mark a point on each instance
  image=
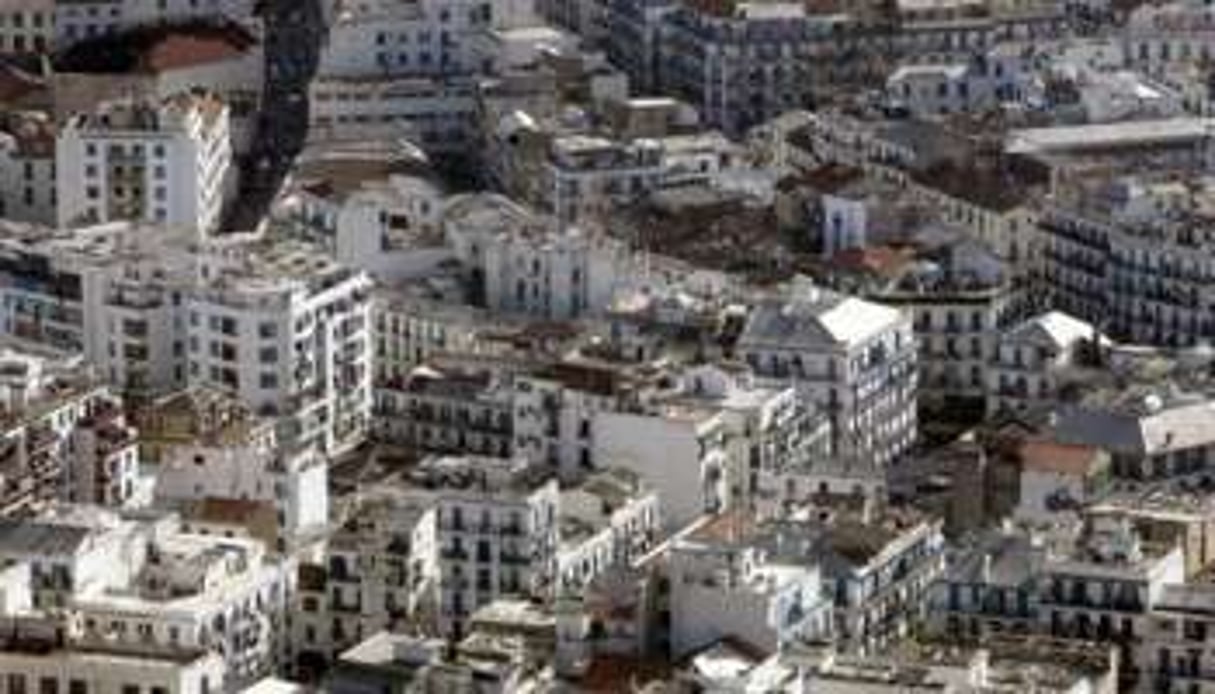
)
(179, 50)
(1062, 458)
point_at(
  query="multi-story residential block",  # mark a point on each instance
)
(633, 40)
(168, 162)
(990, 588)
(1128, 256)
(77, 20)
(377, 574)
(1105, 591)
(64, 437)
(289, 332)
(141, 581)
(522, 264)
(882, 562)
(28, 26)
(445, 413)
(27, 169)
(462, 531)
(852, 359)
(154, 63)
(1028, 362)
(715, 441)
(555, 411)
(1159, 37)
(608, 521)
(43, 654)
(431, 38)
(729, 578)
(959, 309)
(436, 113)
(743, 63)
(412, 331)
(284, 328)
(205, 445)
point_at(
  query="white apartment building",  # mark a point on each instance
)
(427, 38)
(497, 530)
(168, 163)
(961, 307)
(850, 358)
(1026, 367)
(77, 20)
(143, 581)
(1106, 590)
(33, 659)
(27, 170)
(445, 412)
(204, 444)
(714, 442)
(527, 265)
(27, 26)
(729, 579)
(377, 573)
(285, 329)
(554, 412)
(436, 113)
(455, 534)
(1159, 37)
(65, 437)
(1130, 256)
(609, 520)
(587, 176)
(289, 332)
(374, 204)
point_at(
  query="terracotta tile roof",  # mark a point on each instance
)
(1062, 458)
(179, 50)
(886, 261)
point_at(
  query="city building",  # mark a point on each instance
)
(205, 445)
(850, 358)
(140, 580)
(27, 169)
(168, 162)
(1028, 365)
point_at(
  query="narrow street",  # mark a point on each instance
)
(294, 31)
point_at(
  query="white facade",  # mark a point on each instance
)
(853, 359)
(528, 265)
(437, 114)
(39, 664)
(285, 329)
(145, 582)
(169, 163)
(610, 520)
(1024, 375)
(27, 26)
(76, 20)
(27, 172)
(427, 38)
(237, 457)
(720, 589)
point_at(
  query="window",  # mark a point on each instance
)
(268, 380)
(130, 689)
(48, 685)
(268, 355)
(158, 150)
(16, 683)
(267, 330)
(158, 172)
(78, 687)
